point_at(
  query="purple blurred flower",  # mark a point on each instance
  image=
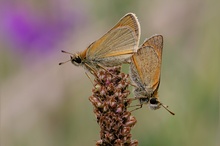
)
(30, 30)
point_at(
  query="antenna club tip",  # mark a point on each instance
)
(60, 63)
(166, 108)
(172, 113)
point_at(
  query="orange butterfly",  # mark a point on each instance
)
(145, 72)
(112, 49)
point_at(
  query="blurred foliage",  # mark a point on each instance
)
(46, 104)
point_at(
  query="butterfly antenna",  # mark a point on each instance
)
(166, 108)
(64, 62)
(67, 52)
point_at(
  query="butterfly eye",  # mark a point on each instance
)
(153, 101)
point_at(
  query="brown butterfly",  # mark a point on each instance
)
(145, 70)
(113, 48)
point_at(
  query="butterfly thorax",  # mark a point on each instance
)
(142, 95)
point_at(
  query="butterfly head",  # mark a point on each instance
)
(76, 59)
(154, 103)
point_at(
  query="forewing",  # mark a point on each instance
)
(122, 39)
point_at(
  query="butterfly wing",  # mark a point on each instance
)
(146, 64)
(118, 44)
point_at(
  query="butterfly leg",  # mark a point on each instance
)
(132, 84)
(138, 107)
(89, 78)
(92, 71)
(105, 69)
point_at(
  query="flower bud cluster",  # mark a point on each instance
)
(110, 107)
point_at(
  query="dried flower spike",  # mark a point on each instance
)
(110, 107)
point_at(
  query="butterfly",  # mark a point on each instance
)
(113, 48)
(145, 70)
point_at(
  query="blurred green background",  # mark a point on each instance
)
(43, 104)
